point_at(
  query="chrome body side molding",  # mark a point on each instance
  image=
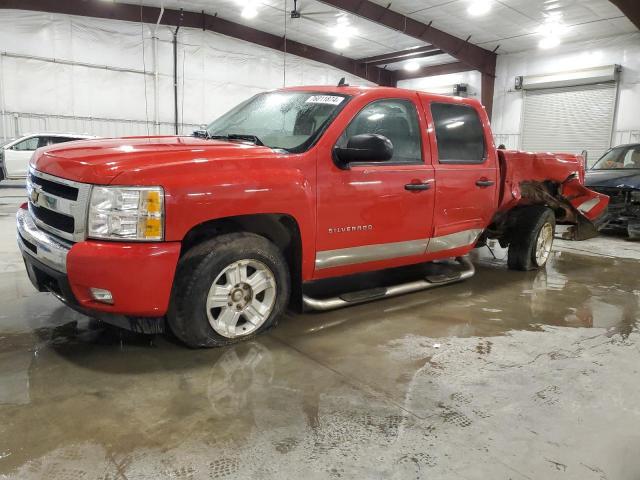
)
(369, 253)
(385, 251)
(453, 240)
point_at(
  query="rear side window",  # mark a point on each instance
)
(459, 133)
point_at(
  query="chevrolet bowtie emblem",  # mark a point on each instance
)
(35, 194)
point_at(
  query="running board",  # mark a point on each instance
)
(362, 296)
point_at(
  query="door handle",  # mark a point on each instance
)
(416, 187)
(484, 183)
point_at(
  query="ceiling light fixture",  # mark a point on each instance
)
(551, 31)
(341, 43)
(342, 31)
(479, 7)
(249, 11)
(412, 66)
(549, 42)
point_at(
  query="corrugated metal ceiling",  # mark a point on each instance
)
(512, 24)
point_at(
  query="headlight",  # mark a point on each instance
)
(126, 213)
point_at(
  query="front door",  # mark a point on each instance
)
(375, 214)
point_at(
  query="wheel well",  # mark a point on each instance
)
(281, 229)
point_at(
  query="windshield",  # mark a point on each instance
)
(626, 157)
(287, 120)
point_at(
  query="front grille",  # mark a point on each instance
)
(56, 220)
(58, 205)
(55, 188)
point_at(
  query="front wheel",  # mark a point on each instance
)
(228, 289)
(532, 238)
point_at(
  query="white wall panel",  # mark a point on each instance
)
(219, 72)
(623, 50)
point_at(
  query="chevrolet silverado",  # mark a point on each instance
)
(215, 235)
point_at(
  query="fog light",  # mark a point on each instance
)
(101, 295)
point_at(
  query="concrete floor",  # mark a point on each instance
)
(508, 375)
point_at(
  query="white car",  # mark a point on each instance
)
(15, 153)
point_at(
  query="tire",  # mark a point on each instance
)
(531, 238)
(214, 285)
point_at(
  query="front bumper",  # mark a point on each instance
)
(139, 275)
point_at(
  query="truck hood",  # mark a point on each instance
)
(100, 161)
(622, 178)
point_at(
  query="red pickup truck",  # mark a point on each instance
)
(216, 234)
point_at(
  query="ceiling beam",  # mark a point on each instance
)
(412, 53)
(631, 8)
(201, 20)
(432, 70)
(474, 56)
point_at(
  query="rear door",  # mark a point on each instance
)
(373, 215)
(466, 174)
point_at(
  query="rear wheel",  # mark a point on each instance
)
(228, 289)
(531, 238)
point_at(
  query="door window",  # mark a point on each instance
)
(459, 133)
(27, 145)
(395, 119)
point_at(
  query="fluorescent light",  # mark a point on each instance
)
(457, 124)
(341, 43)
(342, 31)
(411, 66)
(550, 41)
(249, 12)
(479, 7)
(551, 31)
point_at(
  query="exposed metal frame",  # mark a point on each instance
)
(430, 71)
(409, 54)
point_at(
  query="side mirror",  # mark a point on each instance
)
(366, 147)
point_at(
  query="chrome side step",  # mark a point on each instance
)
(362, 296)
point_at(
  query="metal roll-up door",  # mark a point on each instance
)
(569, 119)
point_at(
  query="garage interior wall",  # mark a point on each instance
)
(508, 102)
(443, 84)
(76, 74)
(622, 50)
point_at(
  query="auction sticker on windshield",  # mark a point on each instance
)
(327, 99)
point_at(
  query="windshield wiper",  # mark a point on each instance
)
(237, 136)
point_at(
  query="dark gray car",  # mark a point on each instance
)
(617, 174)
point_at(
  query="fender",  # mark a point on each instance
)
(216, 189)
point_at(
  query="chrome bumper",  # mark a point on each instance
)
(42, 246)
